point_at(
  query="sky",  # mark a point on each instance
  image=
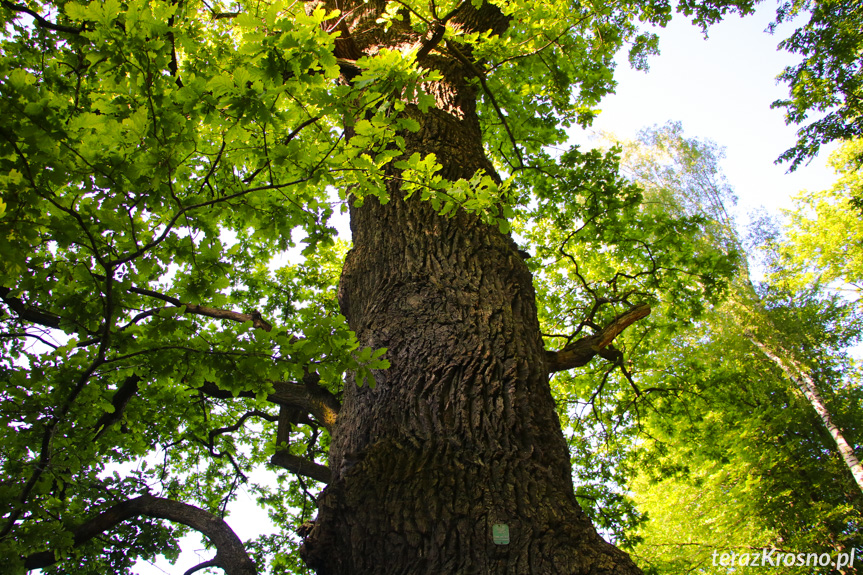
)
(720, 89)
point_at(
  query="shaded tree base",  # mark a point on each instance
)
(435, 506)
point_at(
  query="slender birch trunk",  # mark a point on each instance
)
(800, 376)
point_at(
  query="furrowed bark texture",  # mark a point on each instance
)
(461, 432)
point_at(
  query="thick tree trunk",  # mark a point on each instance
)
(461, 433)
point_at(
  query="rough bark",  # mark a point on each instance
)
(461, 433)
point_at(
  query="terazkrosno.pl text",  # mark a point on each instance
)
(775, 558)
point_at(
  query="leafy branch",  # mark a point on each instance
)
(40, 21)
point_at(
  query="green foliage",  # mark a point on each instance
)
(824, 233)
(600, 245)
(605, 243)
(694, 442)
(736, 459)
(157, 159)
(161, 161)
(826, 87)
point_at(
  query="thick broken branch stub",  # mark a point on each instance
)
(288, 417)
(581, 351)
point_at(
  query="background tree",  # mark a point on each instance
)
(826, 87)
(824, 236)
(740, 456)
(728, 454)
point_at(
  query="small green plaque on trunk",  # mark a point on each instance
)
(500, 534)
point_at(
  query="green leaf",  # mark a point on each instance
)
(172, 311)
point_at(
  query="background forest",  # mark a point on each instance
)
(170, 272)
(708, 443)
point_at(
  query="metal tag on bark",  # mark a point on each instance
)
(500, 534)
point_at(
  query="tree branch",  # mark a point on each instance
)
(35, 315)
(177, 215)
(121, 397)
(216, 313)
(231, 556)
(40, 21)
(301, 466)
(254, 317)
(173, 64)
(199, 566)
(432, 42)
(28, 312)
(581, 351)
(308, 396)
(481, 77)
(231, 428)
(289, 416)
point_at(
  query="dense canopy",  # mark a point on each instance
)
(178, 313)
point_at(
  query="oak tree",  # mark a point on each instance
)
(158, 161)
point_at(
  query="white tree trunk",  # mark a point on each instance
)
(800, 376)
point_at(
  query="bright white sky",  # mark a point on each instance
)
(720, 89)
